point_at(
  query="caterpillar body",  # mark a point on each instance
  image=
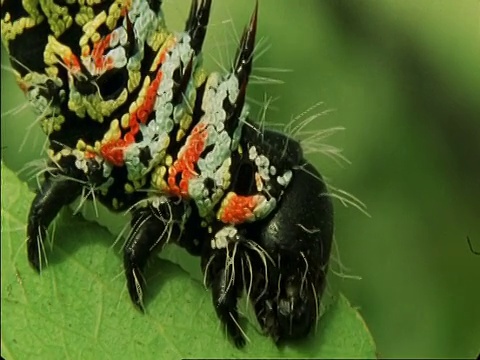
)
(132, 115)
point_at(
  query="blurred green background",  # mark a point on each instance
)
(403, 78)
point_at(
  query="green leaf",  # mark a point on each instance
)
(78, 308)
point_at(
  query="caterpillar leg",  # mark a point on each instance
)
(288, 308)
(153, 226)
(56, 192)
(223, 275)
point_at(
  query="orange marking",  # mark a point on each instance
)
(125, 7)
(23, 85)
(89, 155)
(187, 158)
(86, 51)
(112, 151)
(98, 53)
(108, 63)
(238, 209)
(72, 63)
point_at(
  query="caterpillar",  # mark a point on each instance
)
(133, 116)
